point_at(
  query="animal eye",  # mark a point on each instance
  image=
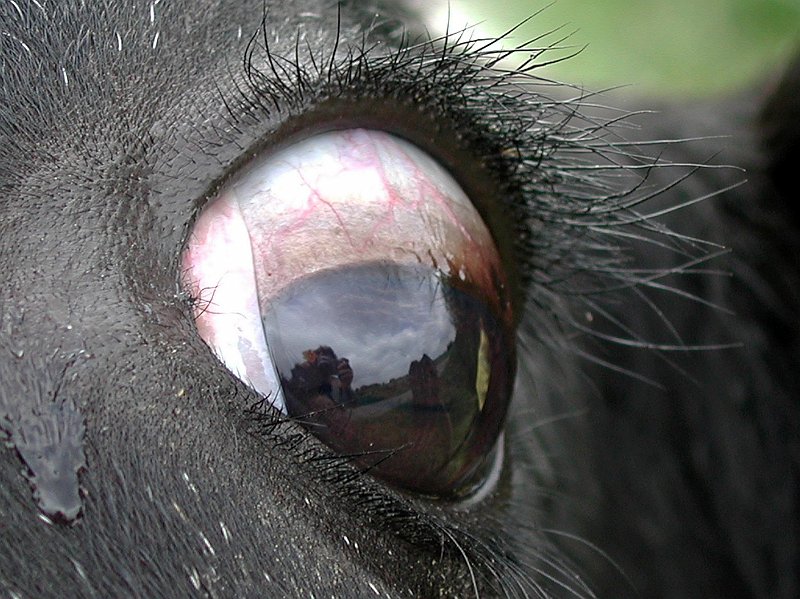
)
(349, 278)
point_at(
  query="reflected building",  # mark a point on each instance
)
(424, 382)
(403, 370)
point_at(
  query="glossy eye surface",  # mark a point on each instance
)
(348, 277)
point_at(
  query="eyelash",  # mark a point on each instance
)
(552, 174)
(530, 147)
(548, 211)
(449, 84)
(560, 229)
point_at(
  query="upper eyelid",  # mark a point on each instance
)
(505, 132)
(566, 213)
(369, 87)
(499, 136)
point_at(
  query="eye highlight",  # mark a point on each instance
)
(349, 277)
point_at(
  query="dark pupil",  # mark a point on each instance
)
(395, 367)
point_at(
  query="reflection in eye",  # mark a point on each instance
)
(350, 279)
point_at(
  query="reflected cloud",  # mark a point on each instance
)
(381, 321)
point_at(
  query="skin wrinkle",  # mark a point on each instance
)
(119, 121)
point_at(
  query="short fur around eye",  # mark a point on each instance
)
(653, 441)
(583, 223)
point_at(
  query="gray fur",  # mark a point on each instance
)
(652, 444)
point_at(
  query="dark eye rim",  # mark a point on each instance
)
(294, 130)
(475, 153)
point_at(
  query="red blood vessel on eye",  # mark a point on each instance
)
(359, 195)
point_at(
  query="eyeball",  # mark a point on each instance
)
(350, 279)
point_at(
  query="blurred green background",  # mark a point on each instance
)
(677, 47)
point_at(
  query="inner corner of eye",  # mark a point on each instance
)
(349, 278)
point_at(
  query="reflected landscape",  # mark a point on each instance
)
(393, 366)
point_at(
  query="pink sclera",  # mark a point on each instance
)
(358, 196)
(218, 268)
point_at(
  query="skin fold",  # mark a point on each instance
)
(652, 442)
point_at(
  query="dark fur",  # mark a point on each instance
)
(653, 448)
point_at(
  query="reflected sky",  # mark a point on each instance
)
(379, 316)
